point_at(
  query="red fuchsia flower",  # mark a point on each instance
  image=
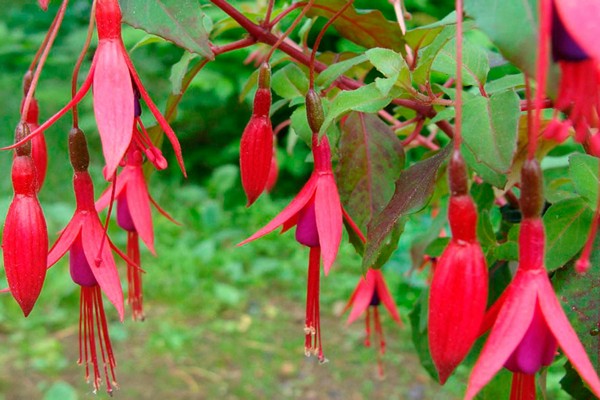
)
(115, 82)
(25, 237)
(273, 172)
(317, 214)
(256, 146)
(528, 322)
(133, 215)
(370, 293)
(458, 292)
(92, 267)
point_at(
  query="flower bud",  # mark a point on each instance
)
(457, 173)
(314, 110)
(532, 186)
(21, 132)
(78, 151)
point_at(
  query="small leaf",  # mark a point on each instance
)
(181, 22)
(290, 82)
(423, 36)
(371, 158)
(366, 28)
(334, 71)
(567, 227)
(178, 71)
(413, 189)
(583, 169)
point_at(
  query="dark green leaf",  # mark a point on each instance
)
(475, 62)
(420, 339)
(573, 384)
(371, 158)
(436, 248)
(365, 28)
(583, 169)
(181, 22)
(579, 295)
(413, 189)
(567, 226)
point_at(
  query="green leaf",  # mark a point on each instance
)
(327, 77)
(413, 190)
(371, 158)
(365, 28)
(512, 82)
(489, 129)
(300, 124)
(178, 71)
(583, 169)
(290, 82)
(437, 247)
(390, 64)
(475, 62)
(146, 40)
(511, 25)
(426, 57)
(573, 384)
(367, 99)
(420, 339)
(579, 296)
(179, 21)
(567, 227)
(423, 36)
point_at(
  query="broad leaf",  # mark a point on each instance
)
(371, 158)
(475, 65)
(428, 55)
(579, 295)
(365, 28)
(583, 169)
(413, 190)
(567, 227)
(181, 22)
(511, 25)
(490, 130)
(327, 77)
(423, 36)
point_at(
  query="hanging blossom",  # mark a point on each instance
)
(25, 236)
(317, 214)
(527, 322)
(256, 145)
(92, 267)
(134, 216)
(115, 84)
(369, 294)
(458, 292)
(574, 39)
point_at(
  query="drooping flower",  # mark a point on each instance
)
(92, 267)
(458, 292)
(256, 146)
(134, 216)
(115, 82)
(528, 322)
(369, 294)
(25, 236)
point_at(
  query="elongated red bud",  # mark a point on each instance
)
(25, 237)
(273, 173)
(256, 146)
(314, 111)
(21, 133)
(532, 189)
(78, 151)
(458, 293)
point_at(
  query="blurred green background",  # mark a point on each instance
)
(222, 321)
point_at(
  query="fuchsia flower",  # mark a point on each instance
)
(134, 216)
(25, 237)
(256, 146)
(115, 82)
(458, 292)
(317, 214)
(528, 320)
(368, 295)
(92, 267)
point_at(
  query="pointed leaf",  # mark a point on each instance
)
(413, 189)
(583, 170)
(567, 226)
(181, 22)
(290, 82)
(365, 28)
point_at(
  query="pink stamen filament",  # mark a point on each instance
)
(134, 277)
(312, 327)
